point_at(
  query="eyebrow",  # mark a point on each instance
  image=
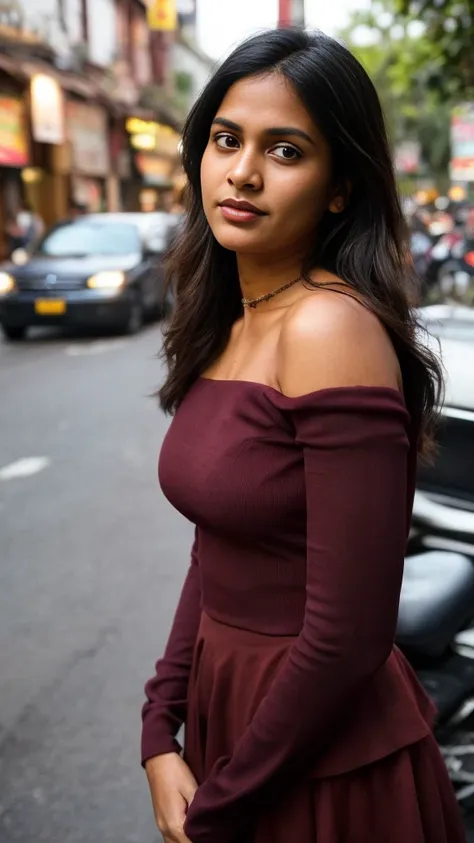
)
(274, 131)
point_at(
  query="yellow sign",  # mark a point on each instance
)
(152, 137)
(50, 307)
(162, 15)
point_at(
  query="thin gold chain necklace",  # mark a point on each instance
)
(253, 302)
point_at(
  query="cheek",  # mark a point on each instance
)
(303, 199)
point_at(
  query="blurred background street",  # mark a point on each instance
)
(92, 561)
(93, 99)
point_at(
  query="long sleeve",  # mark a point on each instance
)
(165, 710)
(355, 448)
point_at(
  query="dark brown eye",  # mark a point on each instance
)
(225, 141)
(287, 153)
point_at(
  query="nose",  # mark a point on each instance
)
(244, 172)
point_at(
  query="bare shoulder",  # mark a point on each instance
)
(329, 339)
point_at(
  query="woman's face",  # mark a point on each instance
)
(264, 149)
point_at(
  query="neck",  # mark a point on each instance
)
(259, 275)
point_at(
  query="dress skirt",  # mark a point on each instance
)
(405, 797)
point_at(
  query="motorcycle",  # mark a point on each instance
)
(436, 617)
(436, 634)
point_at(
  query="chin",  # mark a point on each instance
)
(241, 240)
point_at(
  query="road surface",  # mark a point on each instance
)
(92, 559)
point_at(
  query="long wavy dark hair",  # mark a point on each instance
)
(366, 245)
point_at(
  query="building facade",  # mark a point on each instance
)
(90, 107)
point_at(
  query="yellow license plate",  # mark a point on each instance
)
(50, 307)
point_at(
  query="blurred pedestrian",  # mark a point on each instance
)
(469, 226)
(76, 209)
(301, 395)
(24, 227)
(14, 234)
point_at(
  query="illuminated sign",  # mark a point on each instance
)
(149, 136)
(162, 15)
(47, 110)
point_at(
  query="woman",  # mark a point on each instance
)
(302, 397)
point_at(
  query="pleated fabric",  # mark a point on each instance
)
(404, 797)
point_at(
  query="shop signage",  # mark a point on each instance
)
(47, 110)
(147, 135)
(462, 143)
(88, 135)
(162, 15)
(13, 141)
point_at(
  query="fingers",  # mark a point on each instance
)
(176, 836)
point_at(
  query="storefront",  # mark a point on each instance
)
(47, 183)
(14, 156)
(88, 136)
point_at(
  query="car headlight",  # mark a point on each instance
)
(107, 280)
(7, 283)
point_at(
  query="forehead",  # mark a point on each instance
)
(265, 101)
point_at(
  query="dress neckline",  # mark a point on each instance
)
(362, 388)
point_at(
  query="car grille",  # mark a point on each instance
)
(62, 284)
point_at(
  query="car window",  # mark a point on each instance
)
(83, 239)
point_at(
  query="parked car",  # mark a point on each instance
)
(436, 620)
(445, 489)
(97, 271)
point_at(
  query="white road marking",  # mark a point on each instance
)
(25, 467)
(79, 350)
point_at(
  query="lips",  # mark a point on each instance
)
(238, 211)
(243, 206)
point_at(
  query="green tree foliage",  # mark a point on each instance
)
(450, 35)
(400, 59)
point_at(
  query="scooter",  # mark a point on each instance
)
(436, 633)
(436, 617)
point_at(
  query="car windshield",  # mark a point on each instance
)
(84, 239)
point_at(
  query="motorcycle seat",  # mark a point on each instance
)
(436, 602)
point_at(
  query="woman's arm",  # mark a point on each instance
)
(165, 710)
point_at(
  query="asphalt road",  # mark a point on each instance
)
(91, 562)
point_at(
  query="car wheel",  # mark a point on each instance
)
(136, 316)
(14, 333)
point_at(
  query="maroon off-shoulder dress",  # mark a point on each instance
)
(303, 722)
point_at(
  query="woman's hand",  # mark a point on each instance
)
(172, 787)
